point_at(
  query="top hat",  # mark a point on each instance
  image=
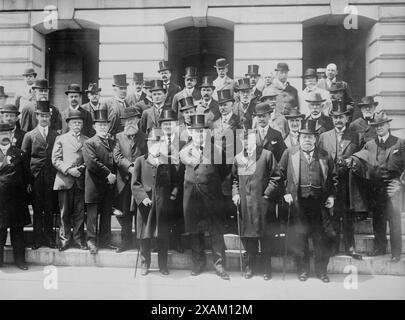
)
(131, 112)
(41, 84)
(367, 101)
(380, 117)
(5, 127)
(197, 121)
(224, 95)
(294, 114)
(221, 63)
(262, 108)
(2, 93)
(268, 92)
(164, 65)
(138, 77)
(310, 73)
(186, 103)
(339, 107)
(42, 107)
(73, 88)
(168, 114)
(243, 84)
(28, 71)
(191, 72)
(282, 66)
(9, 108)
(157, 85)
(92, 88)
(74, 114)
(308, 126)
(147, 84)
(101, 115)
(120, 80)
(336, 86)
(315, 97)
(207, 83)
(253, 70)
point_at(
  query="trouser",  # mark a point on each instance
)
(17, 241)
(162, 247)
(343, 223)
(43, 208)
(252, 248)
(71, 203)
(123, 203)
(310, 218)
(384, 211)
(99, 236)
(198, 253)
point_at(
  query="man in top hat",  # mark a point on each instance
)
(138, 94)
(14, 214)
(38, 145)
(207, 105)
(93, 95)
(382, 162)
(256, 184)
(245, 105)
(9, 114)
(187, 109)
(130, 145)
(362, 125)
(315, 103)
(310, 82)
(190, 89)
(341, 143)
(74, 95)
(309, 173)
(254, 76)
(294, 119)
(171, 88)
(267, 137)
(116, 104)
(100, 178)
(150, 116)
(29, 76)
(67, 158)
(202, 200)
(28, 106)
(147, 102)
(280, 84)
(222, 81)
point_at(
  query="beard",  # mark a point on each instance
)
(131, 130)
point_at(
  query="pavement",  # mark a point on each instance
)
(55, 283)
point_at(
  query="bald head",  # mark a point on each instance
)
(331, 71)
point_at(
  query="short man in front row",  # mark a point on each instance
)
(203, 197)
(99, 182)
(130, 145)
(341, 143)
(67, 158)
(311, 180)
(256, 184)
(382, 162)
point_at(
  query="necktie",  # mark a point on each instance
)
(44, 132)
(169, 151)
(308, 155)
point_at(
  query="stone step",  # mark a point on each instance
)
(366, 226)
(380, 265)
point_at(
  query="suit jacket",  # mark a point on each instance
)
(245, 116)
(132, 98)
(364, 130)
(171, 90)
(323, 84)
(88, 129)
(143, 105)
(68, 153)
(39, 151)
(28, 119)
(18, 137)
(196, 94)
(288, 93)
(288, 142)
(211, 113)
(323, 124)
(88, 107)
(125, 152)
(99, 160)
(115, 112)
(273, 141)
(229, 83)
(150, 119)
(328, 142)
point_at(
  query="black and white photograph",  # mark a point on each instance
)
(202, 155)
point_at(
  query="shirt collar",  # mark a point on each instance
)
(227, 117)
(340, 131)
(317, 117)
(159, 106)
(384, 138)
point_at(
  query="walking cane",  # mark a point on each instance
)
(139, 247)
(240, 240)
(286, 239)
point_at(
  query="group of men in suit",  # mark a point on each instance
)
(279, 161)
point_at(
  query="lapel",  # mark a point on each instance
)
(153, 114)
(102, 142)
(295, 163)
(39, 135)
(320, 123)
(391, 142)
(346, 139)
(287, 141)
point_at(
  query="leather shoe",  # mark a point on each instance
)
(223, 275)
(303, 276)
(21, 265)
(109, 246)
(395, 258)
(377, 252)
(248, 273)
(122, 249)
(64, 247)
(83, 247)
(323, 278)
(93, 249)
(36, 246)
(267, 276)
(165, 272)
(144, 271)
(195, 273)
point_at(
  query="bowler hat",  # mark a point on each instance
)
(157, 85)
(253, 70)
(138, 77)
(29, 71)
(74, 114)
(262, 108)
(243, 84)
(197, 121)
(2, 93)
(164, 65)
(191, 72)
(380, 117)
(207, 83)
(41, 84)
(9, 108)
(186, 103)
(282, 66)
(315, 97)
(367, 101)
(308, 126)
(120, 80)
(168, 114)
(221, 63)
(73, 88)
(92, 88)
(131, 112)
(5, 127)
(42, 107)
(101, 115)
(268, 92)
(224, 95)
(294, 114)
(310, 73)
(339, 107)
